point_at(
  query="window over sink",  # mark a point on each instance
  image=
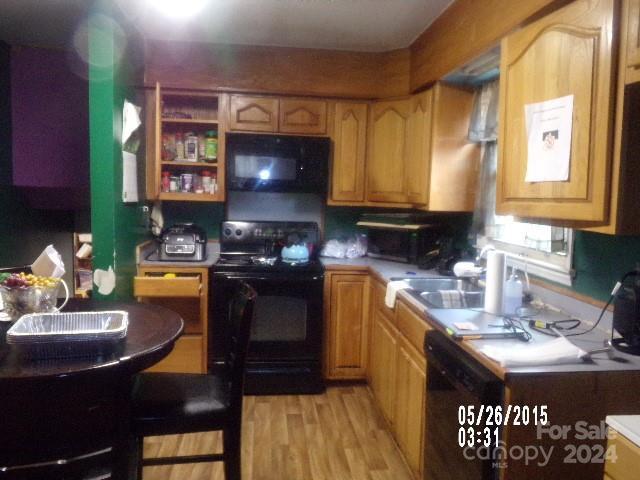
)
(542, 250)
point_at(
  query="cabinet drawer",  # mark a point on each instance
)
(379, 292)
(166, 287)
(627, 463)
(411, 326)
(186, 357)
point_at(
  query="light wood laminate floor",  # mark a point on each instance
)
(338, 435)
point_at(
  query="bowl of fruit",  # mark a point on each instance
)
(24, 293)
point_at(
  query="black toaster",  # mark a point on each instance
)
(183, 242)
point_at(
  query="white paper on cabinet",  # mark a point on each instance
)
(129, 177)
(549, 126)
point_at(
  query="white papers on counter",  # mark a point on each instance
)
(553, 352)
(392, 290)
(549, 126)
(48, 264)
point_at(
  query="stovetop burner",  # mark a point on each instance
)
(259, 247)
(267, 263)
(247, 260)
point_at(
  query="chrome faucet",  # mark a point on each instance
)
(483, 253)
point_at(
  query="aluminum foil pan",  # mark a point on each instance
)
(64, 335)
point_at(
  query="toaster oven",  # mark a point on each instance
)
(183, 242)
(400, 243)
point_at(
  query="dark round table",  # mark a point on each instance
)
(52, 409)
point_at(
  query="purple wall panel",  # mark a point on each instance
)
(50, 120)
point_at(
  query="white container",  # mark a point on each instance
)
(496, 274)
(191, 148)
(512, 295)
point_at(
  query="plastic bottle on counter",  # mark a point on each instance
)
(512, 294)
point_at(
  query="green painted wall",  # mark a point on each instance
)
(206, 215)
(600, 260)
(116, 226)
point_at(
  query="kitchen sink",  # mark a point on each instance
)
(438, 292)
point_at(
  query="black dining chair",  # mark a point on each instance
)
(178, 403)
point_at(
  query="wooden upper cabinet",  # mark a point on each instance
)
(454, 161)
(568, 52)
(350, 141)
(632, 18)
(387, 151)
(302, 116)
(253, 114)
(419, 148)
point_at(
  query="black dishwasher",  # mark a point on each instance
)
(455, 379)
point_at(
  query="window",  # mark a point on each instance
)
(542, 250)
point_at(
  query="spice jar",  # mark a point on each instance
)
(214, 183)
(179, 147)
(211, 146)
(168, 147)
(201, 147)
(174, 181)
(197, 184)
(166, 181)
(186, 181)
(206, 181)
(191, 147)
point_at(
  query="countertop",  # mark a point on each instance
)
(436, 318)
(627, 425)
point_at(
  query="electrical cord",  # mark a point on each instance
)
(614, 292)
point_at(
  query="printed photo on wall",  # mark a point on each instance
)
(549, 126)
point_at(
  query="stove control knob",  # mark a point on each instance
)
(227, 232)
(238, 233)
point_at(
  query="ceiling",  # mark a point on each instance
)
(358, 25)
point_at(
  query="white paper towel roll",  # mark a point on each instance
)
(496, 273)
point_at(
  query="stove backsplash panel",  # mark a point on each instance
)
(268, 206)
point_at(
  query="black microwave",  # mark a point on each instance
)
(277, 163)
(401, 243)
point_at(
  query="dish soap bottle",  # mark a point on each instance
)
(512, 294)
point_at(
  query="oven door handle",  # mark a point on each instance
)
(296, 279)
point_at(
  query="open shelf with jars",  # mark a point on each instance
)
(186, 158)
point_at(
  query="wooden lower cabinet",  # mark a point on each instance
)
(409, 415)
(397, 373)
(624, 461)
(382, 359)
(347, 315)
(186, 294)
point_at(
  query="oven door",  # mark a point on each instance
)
(287, 324)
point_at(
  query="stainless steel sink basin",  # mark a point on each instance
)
(437, 292)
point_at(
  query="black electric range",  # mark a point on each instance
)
(285, 348)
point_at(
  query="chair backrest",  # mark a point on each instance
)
(239, 330)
